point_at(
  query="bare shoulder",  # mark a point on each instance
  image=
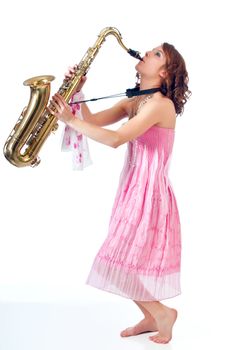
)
(163, 104)
(167, 111)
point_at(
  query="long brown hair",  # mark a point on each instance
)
(175, 84)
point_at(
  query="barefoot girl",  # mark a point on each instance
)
(140, 258)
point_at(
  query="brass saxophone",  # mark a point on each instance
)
(35, 122)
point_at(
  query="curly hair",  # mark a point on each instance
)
(175, 84)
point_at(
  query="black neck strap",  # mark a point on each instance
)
(129, 93)
(137, 92)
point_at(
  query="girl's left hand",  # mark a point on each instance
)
(62, 110)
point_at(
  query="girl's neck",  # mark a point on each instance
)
(147, 84)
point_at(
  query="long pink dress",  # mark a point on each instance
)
(140, 258)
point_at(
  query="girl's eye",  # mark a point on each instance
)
(158, 53)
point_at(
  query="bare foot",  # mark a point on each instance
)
(165, 321)
(146, 325)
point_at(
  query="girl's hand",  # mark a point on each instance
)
(71, 73)
(62, 110)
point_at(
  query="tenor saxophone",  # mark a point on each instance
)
(35, 123)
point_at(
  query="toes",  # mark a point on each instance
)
(126, 332)
(159, 339)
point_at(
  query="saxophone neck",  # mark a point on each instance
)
(114, 31)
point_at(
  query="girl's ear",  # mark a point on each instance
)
(163, 73)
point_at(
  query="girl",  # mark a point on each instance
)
(141, 256)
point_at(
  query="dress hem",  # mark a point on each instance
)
(127, 297)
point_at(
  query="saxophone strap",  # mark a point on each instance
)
(129, 93)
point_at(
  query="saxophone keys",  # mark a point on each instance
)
(18, 123)
(35, 162)
(23, 112)
(55, 127)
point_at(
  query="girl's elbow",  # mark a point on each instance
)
(118, 141)
(115, 145)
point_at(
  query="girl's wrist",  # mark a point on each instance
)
(71, 119)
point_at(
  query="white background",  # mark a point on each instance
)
(54, 219)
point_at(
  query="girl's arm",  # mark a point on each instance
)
(108, 116)
(150, 114)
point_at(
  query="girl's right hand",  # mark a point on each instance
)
(70, 74)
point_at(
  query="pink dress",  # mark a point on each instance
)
(140, 258)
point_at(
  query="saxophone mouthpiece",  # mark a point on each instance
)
(135, 54)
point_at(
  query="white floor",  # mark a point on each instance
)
(95, 325)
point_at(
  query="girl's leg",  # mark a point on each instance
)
(149, 323)
(147, 314)
(165, 318)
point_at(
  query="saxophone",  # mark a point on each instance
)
(35, 122)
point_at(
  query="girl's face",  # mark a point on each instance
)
(153, 63)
